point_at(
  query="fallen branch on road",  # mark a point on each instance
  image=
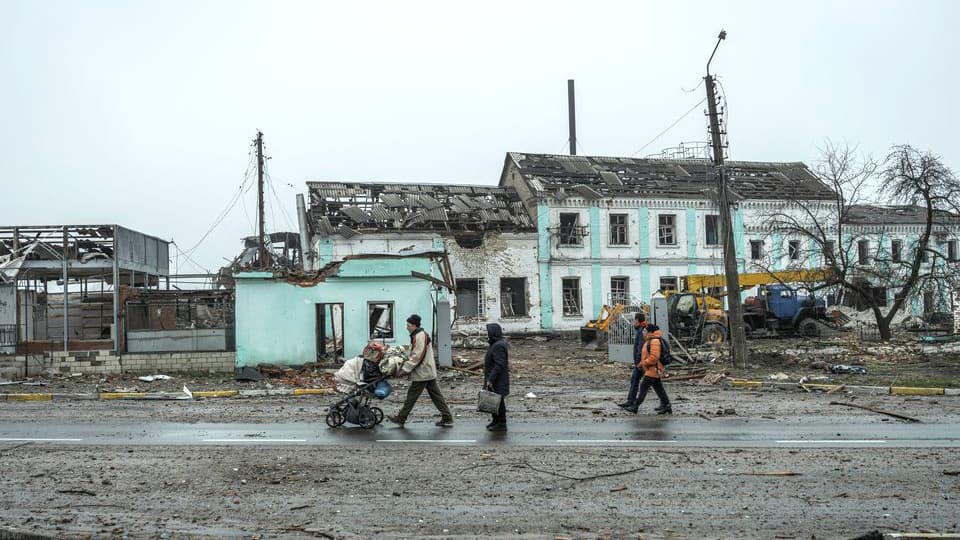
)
(77, 492)
(878, 411)
(545, 471)
(14, 447)
(769, 473)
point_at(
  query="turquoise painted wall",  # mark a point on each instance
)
(543, 257)
(276, 321)
(691, 233)
(595, 234)
(643, 237)
(325, 251)
(740, 240)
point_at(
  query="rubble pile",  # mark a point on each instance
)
(309, 375)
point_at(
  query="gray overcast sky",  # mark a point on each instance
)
(141, 113)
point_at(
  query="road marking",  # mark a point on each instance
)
(35, 439)
(834, 441)
(254, 440)
(428, 440)
(606, 441)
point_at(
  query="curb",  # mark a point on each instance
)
(875, 390)
(177, 396)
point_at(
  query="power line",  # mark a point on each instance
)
(677, 121)
(195, 263)
(230, 205)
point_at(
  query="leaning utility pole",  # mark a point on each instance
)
(736, 334)
(261, 246)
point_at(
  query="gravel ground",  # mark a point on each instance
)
(516, 492)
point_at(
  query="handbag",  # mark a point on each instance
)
(488, 402)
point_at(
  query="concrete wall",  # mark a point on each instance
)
(277, 322)
(186, 340)
(106, 363)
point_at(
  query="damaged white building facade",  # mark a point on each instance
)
(490, 239)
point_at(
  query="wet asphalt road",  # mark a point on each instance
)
(635, 432)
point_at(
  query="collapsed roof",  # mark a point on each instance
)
(353, 208)
(864, 214)
(562, 176)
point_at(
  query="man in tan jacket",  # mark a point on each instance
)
(422, 370)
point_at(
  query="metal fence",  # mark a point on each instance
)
(8, 335)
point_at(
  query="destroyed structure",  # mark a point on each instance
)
(63, 287)
(489, 236)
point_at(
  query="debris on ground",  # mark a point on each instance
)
(779, 377)
(878, 411)
(249, 374)
(151, 378)
(843, 368)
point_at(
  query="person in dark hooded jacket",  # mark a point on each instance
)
(496, 373)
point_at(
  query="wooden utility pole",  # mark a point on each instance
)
(261, 245)
(738, 339)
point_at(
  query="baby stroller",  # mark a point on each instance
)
(355, 408)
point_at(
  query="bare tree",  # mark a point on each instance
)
(852, 235)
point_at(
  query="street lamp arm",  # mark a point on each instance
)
(721, 37)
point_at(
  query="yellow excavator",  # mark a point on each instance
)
(595, 328)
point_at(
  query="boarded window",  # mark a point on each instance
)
(470, 301)
(572, 303)
(667, 229)
(620, 290)
(668, 283)
(571, 234)
(896, 250)
(513, 297)
(380, 317)
(863, 251)
(756, 250)
(618, 229)
(712, 223)
(793, 250)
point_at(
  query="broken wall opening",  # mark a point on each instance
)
(470, 301)
(513, 297)
(329, 332)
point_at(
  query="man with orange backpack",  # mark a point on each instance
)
(650, 361)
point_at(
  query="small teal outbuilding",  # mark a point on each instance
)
(291, 320)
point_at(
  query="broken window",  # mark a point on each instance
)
(668, 283)
(756, 250)
(572, 304)
(952, 251)
(470, 298)
(863, 251)
(620, 290)
(380, 317)
(667, 229)
(712, 223)
(571, 234)
(828, 250)
(618, 229)
(896, 249)
(329, 332)
(513, 297)
(793, 250)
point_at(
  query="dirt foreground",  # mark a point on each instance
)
(467, 492)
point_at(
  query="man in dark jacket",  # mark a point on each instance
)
(639, 325)
(496, 374)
